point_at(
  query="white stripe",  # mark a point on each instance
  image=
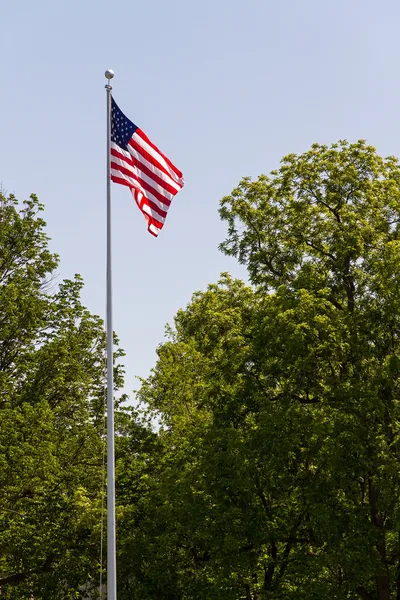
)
(154, 229)
(160, 159)
(121, 151)
(123, 163)
(156, 186)
(132, 182)
(137, 173)
(146, 209)
(137, 156)
(135, 184)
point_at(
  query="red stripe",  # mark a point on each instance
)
(164, 172)
(122, 181)
(156, 178)
(144, 200)
(154, 207)
(151, 159)
(118, 154)
(149, 202)
(134, 163)
(146, 186)
(124, 171)
(149, 218)
(144, 137)
(150, 221)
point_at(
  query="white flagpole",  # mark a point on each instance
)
(111, 538)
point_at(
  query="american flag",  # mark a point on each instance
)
(137, 163)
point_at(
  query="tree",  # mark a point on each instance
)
(277, 471)
(325, 229)
(51, 418)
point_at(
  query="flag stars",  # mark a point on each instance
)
(122, 128)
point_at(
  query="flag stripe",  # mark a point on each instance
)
(157, 161)
(145, 159)
(152, 184)
(119, 174)
(146, 140)
(144, 205)
(156, 186)
(118, 165)
(121, 160)
(141, 142)
(141, 201)
(160, 185)
(153, 226)
(153, 230)
(152, 170)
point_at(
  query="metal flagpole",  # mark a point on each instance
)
(111, 538)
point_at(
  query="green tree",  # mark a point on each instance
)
(324, 232)
(275, 474)
(51, 418)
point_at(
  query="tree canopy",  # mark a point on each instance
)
(263, 462)
(51, 417)
(277, 471)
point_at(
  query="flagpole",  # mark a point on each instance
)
(111, 537)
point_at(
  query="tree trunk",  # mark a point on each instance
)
(383, 587)
(248, 592)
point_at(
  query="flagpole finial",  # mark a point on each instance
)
(109, 74)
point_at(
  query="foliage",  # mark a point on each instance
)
(51, 418)
(275, 473)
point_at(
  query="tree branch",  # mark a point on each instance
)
(19, 577)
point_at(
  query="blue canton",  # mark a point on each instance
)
(122, 128)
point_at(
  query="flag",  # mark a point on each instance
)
(137, 163)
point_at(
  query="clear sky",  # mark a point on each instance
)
(224, 88)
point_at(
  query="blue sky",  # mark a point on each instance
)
(224, 88)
